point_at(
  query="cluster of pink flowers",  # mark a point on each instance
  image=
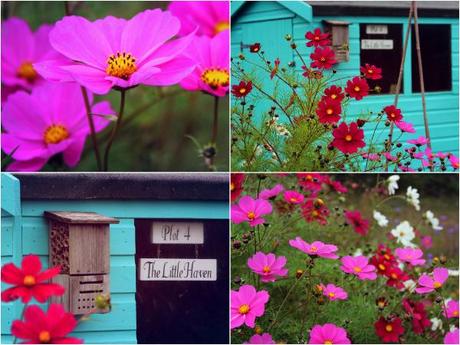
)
(44, 111)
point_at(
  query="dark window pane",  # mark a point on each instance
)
(436, 58)
(378, 37)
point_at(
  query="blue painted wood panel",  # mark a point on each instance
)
(442, 107)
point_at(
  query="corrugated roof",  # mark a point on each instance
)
(451, 5)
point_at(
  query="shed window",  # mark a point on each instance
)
(435, 48)
(381, 45)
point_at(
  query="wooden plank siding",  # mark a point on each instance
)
(442, 107)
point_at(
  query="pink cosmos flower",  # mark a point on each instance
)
(317, 248)
(117, 53)
(268, 266)
(328, 334)
(389, 157)
(371, 156)
(405, 169)
(211, 73)
(271, 193)
(359, 224)
(50, 120)
(211, 17)
(420, 141)
(334, 292)
(405, 126)
(452, 337)
(265, 338)
(293, 197)
(451, 310)
(250, 210)
(430, 283)
(414, 256)
(359, 266)
(21, 48)
(246, 304)
(427, 242)
(453, 159)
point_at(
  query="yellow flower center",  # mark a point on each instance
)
(328, 342)
(121, 65)
(348, 137)
(394, 275)
(392, 115)
(309, 178)
(242, 90)
(370, 71)
(251, 215)
(317, 38)
(322, 59)
(388, 328)
(54, 134)
(357, 269)
(382, 267)
(26, 71)
(266, 269)
(437, 285)
(313, 249)
(293, 199)
(387, 257)
(315, 213)
(455, 313)
(44, 337)
(29, 280)
(243, 309)
(331, 294)
(221, 26)
(329, 111)
(232, 186)
(334, 96)
(215, 77)
(357, 88)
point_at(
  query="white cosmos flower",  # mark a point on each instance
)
(358, 252)
(433, 221)
(436, 324)
(404, 234)
(380, 218)
(410, 285)
(392, 184)
(413, 197)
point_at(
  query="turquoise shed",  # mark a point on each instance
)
(144, 310)
(267, 22)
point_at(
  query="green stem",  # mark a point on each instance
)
(92, 128)
(115, 130)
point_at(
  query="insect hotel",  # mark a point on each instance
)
(154, 245)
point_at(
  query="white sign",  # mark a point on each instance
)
(180, 233)
(377, 29)
(178, 269)
(377, 44)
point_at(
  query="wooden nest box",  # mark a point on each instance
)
(79, 244)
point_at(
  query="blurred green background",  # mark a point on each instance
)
(156, 121)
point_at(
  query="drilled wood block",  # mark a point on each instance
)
(83, 293)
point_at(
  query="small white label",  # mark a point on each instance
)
(377, 44)
(178, 269)
(377, 29)
(179, 233)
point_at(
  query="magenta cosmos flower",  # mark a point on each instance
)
(328, 334)
(293, 197)
(211, 17)
(359, 266)
(250, 210)
(211, 73)
(428, 283)
(333, 292)
(265, 338)
(452, 337)
(413, 256)
(317, 248)
(268, 266)
(246, 305)
(21, 48)
(50, 120)
(117, 53)
(359, 224)
(451, 309)
(271, 193)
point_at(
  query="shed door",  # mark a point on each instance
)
(183, 311)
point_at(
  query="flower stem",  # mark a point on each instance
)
(215, 122)
(92, 128)
(115, 130)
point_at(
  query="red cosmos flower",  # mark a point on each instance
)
(334, 92)
(329, 111)
(416, 310)
(242, 89)
(39, 327)
(371, 72)
(236, 185)
(317, 38)
(254, 48)
(323, 58)
(348, 139)
(275, 69)
(29, 282)
(396, 277)
(393, 113)
(360, 225)
(357, 88)
(383, 260)
(336, 185)
(315, 210)
(310, 181)
(389, 330)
